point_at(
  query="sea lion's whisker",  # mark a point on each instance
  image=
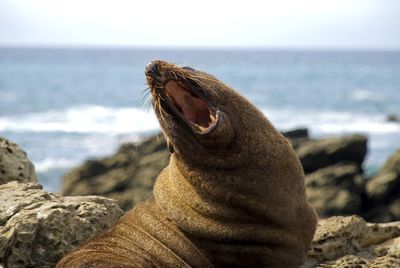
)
(147, 103)
(162, 113)
(145, 90)
(146, 98)
(145, 93)
(165, 114)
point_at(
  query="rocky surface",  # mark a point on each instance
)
(38, 228)
(383, 191)
(352, 242)
(14, 163)
(336, 190)
(127, 176)
(325, 152)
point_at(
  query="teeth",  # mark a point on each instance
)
(202, 128)
(212, 117)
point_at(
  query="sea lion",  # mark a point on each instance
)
(233, 194)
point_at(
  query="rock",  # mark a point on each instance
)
(329, 151)
(352, 242)
(393, 118)
(38, 228)
(14, 163)
(383, 192)
(127, 176)
(392, 165)
(377, 213)
(297, 136)
(380, 187)
(336, 190)
(343, 175)
(299, 133)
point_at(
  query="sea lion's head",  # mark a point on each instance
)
(201, 116)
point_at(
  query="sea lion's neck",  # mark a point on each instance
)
(219, 204)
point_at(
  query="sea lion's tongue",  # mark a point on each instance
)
(192, 107)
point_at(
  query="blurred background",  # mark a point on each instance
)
(71, 72)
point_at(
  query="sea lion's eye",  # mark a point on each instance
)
(188, 68)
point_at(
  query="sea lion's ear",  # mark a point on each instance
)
(170, 146)
(220, 135)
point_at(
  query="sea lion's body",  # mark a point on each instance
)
(233, 194)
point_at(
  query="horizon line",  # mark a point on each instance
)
(199, 48)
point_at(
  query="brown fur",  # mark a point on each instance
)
(232, 197)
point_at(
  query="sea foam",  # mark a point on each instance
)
(53, 163)
(124, 120)
(332, 122)
(83, 119)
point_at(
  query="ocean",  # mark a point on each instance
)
(63, 106)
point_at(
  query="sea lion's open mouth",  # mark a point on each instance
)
(191, 107)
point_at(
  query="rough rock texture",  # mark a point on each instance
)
(14, 163)
(329, 151)
(128, 176)
(352, 242)
(37, 228)
(336, 190)
(383, 191)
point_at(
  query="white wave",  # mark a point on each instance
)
(114, 121)
(83, 119)
(363, 95)
(332, 122)
(50, 163)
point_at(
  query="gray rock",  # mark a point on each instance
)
(343, 175)
(317, 154)
(297, 137)
(380, 187)
(38, 228)
(393, 118)
(336, 190)
(127, 176)
(383, 192)
(352, 242)
(14, 163)
(298, 133)
(392, 165)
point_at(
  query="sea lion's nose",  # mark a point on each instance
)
(152, 68)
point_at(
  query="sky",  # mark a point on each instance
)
(363, 24)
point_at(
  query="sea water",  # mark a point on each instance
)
(63, 106)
